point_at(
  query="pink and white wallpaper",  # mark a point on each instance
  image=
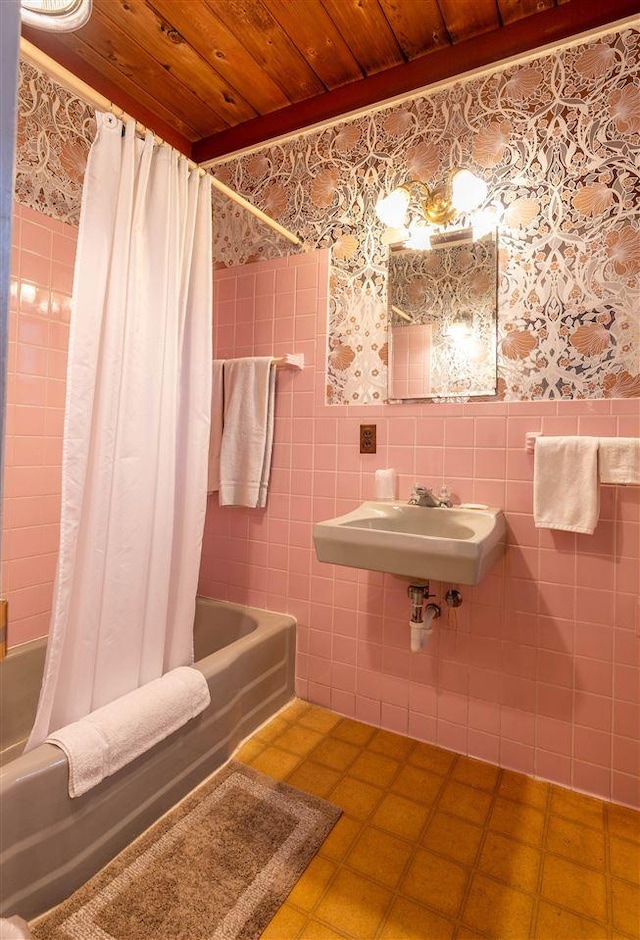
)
(558, 141)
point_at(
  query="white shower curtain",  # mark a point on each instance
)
(134, 465)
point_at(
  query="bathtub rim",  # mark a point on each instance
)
(269, 623)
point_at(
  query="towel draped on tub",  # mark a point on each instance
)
(104, 741)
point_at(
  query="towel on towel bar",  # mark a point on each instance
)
(247, 437)
(105, 740)
(619, 459)
(566, 494)
(215, 434)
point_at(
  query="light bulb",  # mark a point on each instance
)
(419, 236)
(467, 190)
(392, 209)
(394, 236)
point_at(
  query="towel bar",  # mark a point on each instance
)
(530, 441)
(290, 361)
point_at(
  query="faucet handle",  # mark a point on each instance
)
(444, 497)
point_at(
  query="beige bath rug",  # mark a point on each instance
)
(217, 867)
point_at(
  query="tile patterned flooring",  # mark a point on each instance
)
(434, 845)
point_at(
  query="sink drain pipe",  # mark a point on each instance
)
(421, 617)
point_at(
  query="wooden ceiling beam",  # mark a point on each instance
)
(518, 38)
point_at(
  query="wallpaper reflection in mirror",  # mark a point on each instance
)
(452, 290)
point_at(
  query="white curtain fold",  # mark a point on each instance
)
(136, 434)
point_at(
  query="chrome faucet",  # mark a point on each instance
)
(422, 496)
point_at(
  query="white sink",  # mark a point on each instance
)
(457, 545)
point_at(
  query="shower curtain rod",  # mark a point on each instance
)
(66, 78)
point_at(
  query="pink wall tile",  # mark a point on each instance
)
(43, 256)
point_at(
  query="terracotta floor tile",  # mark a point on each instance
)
(297, 708)
(356, 797)
(380, 856)
(623, 822)
(270, 731)
(284, 925)
(312, 883)
(523, 789)
(410, 921)
(512, 862)
(435, 882)
(624, 859)
(391, 744)
(554, 923)
(298, 739)
(437, 845)
(452, 836)
(570, 839)
(335, 754)
(569, 885)
(498, 910)
(249, 750)
(353, 731)
(626, 907)
(354, 905)
(418, 784)
(401, 816)
(475, 773)
(318, 719)
(374, 768)
(469, 803)
(341, 838)
(583, 809)
(276, 763)
(314, 778)
(518, 820)
(432, 758)
(315, 930)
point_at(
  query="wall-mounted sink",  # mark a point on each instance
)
(458, 545)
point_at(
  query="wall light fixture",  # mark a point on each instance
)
(411, 210)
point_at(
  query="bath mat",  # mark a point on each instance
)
(217, 867)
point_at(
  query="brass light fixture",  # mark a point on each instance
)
(411, 209)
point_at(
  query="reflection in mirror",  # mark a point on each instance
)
(442, 316)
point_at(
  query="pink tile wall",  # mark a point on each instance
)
(41, 282)
(539, 670)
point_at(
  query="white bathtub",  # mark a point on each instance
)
(51, 844)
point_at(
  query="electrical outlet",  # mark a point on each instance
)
(367, 438)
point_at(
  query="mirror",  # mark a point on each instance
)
(442, 307)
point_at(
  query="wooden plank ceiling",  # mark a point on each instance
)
(213, 76)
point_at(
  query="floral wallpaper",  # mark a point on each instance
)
(557, 139)
(55, 132)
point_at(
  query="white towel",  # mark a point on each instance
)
(566, 494)
(215, 434)
(247, 437)
(14, 928)
(105, 740)
(619, 459)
